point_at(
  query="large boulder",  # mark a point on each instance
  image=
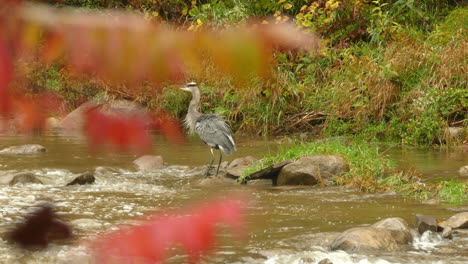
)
(149, 162)
(312, 169)
(84, 178)
(388, 235)
(23, 150)
(458, 221)
(24, 178)
(74, 121)
(369, 239)
(298, 173)
(426, 223)
(397, 224)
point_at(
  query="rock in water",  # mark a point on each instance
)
(298, 173)
(24, 150)
(312, 169)
(216, 181)
(397, 224)
(388, 234)
(369, 239)
(426, 222)
(23, 178)
(325, 261)
(149, 163)
(463, 171)
(458, 221)
(245, 161)
(84, 178)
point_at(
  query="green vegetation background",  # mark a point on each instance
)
(392, 70)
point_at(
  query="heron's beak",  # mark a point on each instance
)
(183, 87)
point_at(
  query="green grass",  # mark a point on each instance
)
(370, 170)
(367, 163)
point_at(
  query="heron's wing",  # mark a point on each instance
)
(215, 132)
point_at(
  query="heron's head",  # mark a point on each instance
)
(190, 87)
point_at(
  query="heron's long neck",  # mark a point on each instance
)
(193, 113)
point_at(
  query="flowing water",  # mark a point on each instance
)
(286, 225)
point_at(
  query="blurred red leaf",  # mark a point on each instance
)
(6, 75)
(122, 132)
(149, 242)
(168, 126)
(30, 115)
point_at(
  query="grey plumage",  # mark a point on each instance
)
(212, 129)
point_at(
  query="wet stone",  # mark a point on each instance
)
(311, 170)
(23, 150)
(463, 171)
(149, 163)
(458, 221)
(447, 233)
(24, 178)
(325, 261)
(84, 178)
(242, 162)
(236, 172)
(426, 223)
(216, 180)
(369, 239)
(397, 224)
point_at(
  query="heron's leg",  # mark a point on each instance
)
(219, 163)
(211, 163)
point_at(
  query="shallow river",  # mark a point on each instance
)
(285, 225)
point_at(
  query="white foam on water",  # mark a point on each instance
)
(428, 241)
(336, 257)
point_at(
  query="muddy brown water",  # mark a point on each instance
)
(284, 225)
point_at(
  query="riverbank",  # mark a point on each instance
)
(370, 170)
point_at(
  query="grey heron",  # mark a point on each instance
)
(211, 128)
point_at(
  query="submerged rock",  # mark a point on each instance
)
(84, 178)
(447, 233)
(397, 224)
(236, 168)
(458, 221)
(216, 180)
(389, 234)
(236, 172)
(369, 239)
(311, 170)
(325, 261)
(425, 223)
(463, 171)
(149, 163)
(242, 162)
(24, 178)
(24, 150)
